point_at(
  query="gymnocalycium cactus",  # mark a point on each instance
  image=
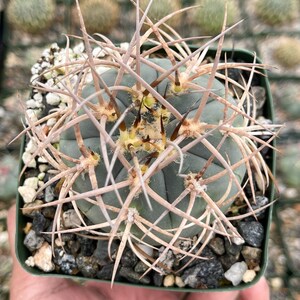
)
(276, 12)
(32, 16)
(210, 14)
(151, 146)
(287, 52)
(162, 8)
(100, 15)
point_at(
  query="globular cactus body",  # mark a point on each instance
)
(287, 52)
(32, 16)
(276, 12)
(100, 15)
(161, 8)
(166, 182)
(209, 15)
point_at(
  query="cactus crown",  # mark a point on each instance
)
(31, 16)
(151, 150)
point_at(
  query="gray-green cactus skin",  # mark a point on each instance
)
(209, 15)
(167, 183)
(276, 12)
(32, 16)
(100, 16)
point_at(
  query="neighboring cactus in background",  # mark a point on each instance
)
(32, 16)
(100, 16)
(209, 15)
(152, 150)
(287, 52)
(276, 12)
(289, 165)
(162, 8)
(287, 97)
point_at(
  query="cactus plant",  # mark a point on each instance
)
(289, 167)
(100, 15)
(287, 52)
(287, 98)
(32, 16)
(162, 8)
(276, 12)
(210, 14)
(151, 150)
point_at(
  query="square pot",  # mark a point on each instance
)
(237, 55)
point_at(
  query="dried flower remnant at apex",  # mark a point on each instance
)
(152, 150)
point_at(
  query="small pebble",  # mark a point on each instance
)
(231, 248)
(49, 194)
(43, 168)
(129, 259)
(217, 245)
(236, 272)
(71, 219)
(158, 279)
(252, 256)
(252, 232)
(140, 267)
(106, 272)
(51, 122)
(27, 193)
(179, 282)
(30, 210)
(249, 275)
(43, 258)
(28, 160)
(30, 261)
(133, 277)
(169, 280)
(30, 147)
(87, 266)
(52, 99)
(32, 241)
(31, 182)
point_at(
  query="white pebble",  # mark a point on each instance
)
(71, 219)
(236, 272)
(41, 175)
(249, 276)
(28, 193)
(169, 280)
(52, 99)
(32, 114)
(43, 258)
(34, 78)
(42, 160)
(51, 122)
(31, 103)
(30, 261)
(179, 282)
(30, 147)
(43, 168)
(148, 250)
(38, 97)
(31, 182)
(28, 160)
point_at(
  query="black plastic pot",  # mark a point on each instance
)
(236, 55)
